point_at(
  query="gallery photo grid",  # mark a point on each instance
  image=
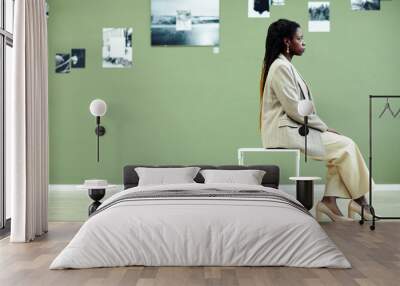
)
(191, 23)
(185, 23)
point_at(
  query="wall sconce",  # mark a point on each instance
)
(98, 108)
(305, 108)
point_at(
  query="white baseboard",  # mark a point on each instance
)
(321, 187)
(75, 187)
(73, 192)
(387, 187)
(290, 188)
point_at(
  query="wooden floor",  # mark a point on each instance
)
(375, 257)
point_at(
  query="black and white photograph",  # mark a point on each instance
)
(365, 5)
(63, 63)
(117, 47)
(319, 17)
(78, 58)
(184, 23)
(259, 8)
(278, 2)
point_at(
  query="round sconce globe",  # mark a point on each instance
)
(98, 107)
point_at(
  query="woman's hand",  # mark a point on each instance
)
(333, 131)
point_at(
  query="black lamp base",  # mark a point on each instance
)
(304, 130)
(100, 130)
(96, 195)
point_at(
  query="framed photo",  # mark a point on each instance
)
(117, 47)
(363, 5)
(63, 63)
(319, 17)
(78, 58)
(184, 22)
(258, 8)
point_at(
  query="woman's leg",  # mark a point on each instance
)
(334, 188)
(348, 175)
(353, 170)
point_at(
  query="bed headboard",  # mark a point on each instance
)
(271, 177)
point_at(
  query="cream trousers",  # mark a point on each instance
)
(348, 175)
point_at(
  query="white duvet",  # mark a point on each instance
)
(200, 231)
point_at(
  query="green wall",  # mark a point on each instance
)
(186, 105)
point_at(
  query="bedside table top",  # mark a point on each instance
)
(85, 187)
(304, 178)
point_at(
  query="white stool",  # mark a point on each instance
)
(241, 152)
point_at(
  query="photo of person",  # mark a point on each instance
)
(259, 8)
(319, 17)
(77, 58)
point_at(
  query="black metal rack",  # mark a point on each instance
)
(372, 210)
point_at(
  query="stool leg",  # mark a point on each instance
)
(298, 164)
(305, 193)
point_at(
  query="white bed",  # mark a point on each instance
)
(185, 230)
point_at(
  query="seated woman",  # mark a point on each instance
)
(282, 87)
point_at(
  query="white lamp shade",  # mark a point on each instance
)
(305, 107)
(98, 107)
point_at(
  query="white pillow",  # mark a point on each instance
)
(164, 176)
(248, 177)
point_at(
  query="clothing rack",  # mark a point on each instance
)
(372, 210)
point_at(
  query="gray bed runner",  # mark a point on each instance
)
(206, 194)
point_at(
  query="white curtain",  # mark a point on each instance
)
(27, 123)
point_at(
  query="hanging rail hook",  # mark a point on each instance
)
(387, 107)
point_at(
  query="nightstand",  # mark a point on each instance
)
(305, 190)
(96, 192)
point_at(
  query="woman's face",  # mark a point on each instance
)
(297, 44)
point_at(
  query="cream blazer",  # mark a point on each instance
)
(280, 120)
